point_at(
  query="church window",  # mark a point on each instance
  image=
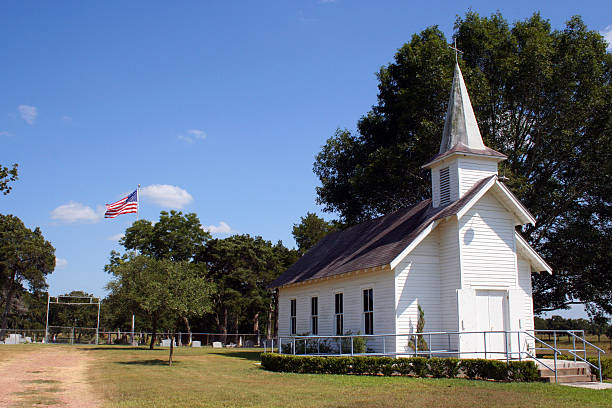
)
(368, 311)
(444, 186)
(339, 314)
(314, 315)
(293, 316)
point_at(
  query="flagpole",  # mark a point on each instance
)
(138, 201)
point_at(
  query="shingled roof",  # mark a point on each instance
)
(372, 243)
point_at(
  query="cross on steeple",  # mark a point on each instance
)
(457, 50)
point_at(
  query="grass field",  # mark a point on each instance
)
(563, 342)
(132, 377)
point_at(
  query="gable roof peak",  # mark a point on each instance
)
(460, 126)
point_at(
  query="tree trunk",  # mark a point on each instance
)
(171, 347)
(256, 327)
(224, 328)
(186, 321)
(154, 333)
(10, 291)
(270, 320)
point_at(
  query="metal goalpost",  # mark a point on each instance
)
(88, 301)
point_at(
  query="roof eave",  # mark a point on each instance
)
(535, 259)
(340, 275)
(444, 157)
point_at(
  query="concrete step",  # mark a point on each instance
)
(568, 378)
(568, 371)
(565, 371)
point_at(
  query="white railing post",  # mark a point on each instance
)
(599, 363)
(485, 343)
(506, 346)
(352, 345)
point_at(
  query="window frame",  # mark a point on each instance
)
(293, 317)
(339, 313)
(314, 315)
(367, 300)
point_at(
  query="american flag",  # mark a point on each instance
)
(126, 205)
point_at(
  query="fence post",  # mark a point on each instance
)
(351, 345)
(416, 345)
(429, 345)
(574, 345)
(556, 379)
(599, 363)
(518, 336)
(506, 345)
(485, 343)
(384, 346)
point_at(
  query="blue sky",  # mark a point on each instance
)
(214, 108)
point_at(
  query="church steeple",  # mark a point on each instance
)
(460, 126)
(463, 158)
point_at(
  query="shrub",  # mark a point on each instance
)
(414, 366)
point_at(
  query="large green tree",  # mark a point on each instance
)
(26, 258)
(310, 230)
(176, 237)
(176, 289)
(541, 96)
(241, 267)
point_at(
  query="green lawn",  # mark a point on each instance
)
(128, 377)
(137, 377)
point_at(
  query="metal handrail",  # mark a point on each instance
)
(508, 353)
(541, 362)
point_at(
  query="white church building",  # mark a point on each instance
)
(457, 255)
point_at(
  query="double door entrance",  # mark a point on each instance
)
(492, 316)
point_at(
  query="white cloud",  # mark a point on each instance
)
(326, 1)
(77, 212)
(116, 237)
(166, 195)
(60, 263)
(67, 119)
(192, 136)
(222, 228)
(28, 113)
(4, 133)
(607, 35)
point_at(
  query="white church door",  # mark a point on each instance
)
(491, 316)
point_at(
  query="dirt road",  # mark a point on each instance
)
(47, 377)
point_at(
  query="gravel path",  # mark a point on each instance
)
(53, 376)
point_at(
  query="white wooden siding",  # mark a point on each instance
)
(351, 286)
(417, 282)
(488, 253)
(472, 170)
(524, 284)
(450, 276)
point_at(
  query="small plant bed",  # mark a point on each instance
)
(524, 371)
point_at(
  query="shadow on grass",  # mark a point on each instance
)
(245, 355)
(155, 362)
(123, 348)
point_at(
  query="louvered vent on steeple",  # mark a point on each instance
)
(444, 186)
